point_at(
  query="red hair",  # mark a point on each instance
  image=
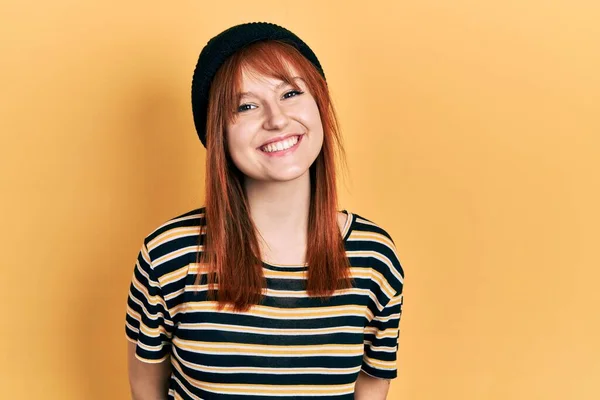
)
(230, 254)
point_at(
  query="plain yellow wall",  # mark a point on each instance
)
(473, 137)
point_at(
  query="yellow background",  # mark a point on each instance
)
(473, 136)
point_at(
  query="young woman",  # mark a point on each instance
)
(267, 291)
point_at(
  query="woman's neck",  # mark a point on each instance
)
(279, 211)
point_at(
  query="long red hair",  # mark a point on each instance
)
(229, 251)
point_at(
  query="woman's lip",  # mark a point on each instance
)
(283, 152)
(280, 139)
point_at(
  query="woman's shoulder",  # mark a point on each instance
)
(371, 238)
(171, 245)
(362, 224)
(181, 226)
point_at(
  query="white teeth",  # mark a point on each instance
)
(282, 145)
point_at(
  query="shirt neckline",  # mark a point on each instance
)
(345, 235)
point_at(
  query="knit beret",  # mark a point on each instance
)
(226, 43)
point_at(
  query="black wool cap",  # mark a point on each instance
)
(226, 43)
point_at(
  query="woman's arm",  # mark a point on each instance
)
(148, 381)
(370, 388)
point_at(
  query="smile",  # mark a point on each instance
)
(283, 147)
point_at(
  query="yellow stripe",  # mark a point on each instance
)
(175, 395)
(149, 361)
(380, 257)
(269, 331)
(372, 236)
(388, 318)
(382, 334)
(153, 332)
(268, 273)
(132, 313)
(266, 350)
(379, 364)
(396, 300)
(174, 276)
(174, 254)
(273, 312)
(175, 233)
(274, 293)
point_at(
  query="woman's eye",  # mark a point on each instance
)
(292, 91)
(243, 107)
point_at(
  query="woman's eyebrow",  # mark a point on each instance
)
(279, 86)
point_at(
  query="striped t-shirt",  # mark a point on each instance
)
(290, 346)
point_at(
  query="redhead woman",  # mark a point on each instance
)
(267, 290)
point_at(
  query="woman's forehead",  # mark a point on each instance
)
(251, 73)
(254, 79)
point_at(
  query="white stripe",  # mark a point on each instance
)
(206, 326)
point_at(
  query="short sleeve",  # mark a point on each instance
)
(148, 323)
(381, 341)
(382, 332)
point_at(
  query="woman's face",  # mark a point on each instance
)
(277, 132)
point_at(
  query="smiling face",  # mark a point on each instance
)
(276, 133)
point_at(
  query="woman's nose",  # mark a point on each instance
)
(275, 116)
